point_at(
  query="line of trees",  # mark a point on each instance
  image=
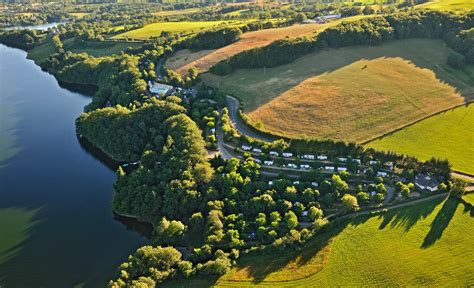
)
(453, 29)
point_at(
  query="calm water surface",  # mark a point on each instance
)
(56, 223)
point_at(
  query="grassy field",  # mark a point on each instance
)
(155, 29)
(203, 60)
(15, 224)
(447, 135)
(421, 245)
(352, 94)
(469, 198)
(456, 6)
(41, 53)
(177, 12)
(79, 14)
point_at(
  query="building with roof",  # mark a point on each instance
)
(426, 182)
(159, 89)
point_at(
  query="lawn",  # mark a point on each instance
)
(426, 244)
(41, 53)
(469, 198)
(155, 29)
(456, 6)
(448, 135)
(353, 93)
(203, 60)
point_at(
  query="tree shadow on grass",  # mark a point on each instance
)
(407, 217)
(259, 266)
(442, 219)
(441, 222)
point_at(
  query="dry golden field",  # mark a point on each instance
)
(352, 94)
(203, 60)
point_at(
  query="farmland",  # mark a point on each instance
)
(177, 12)
(447, 135)
(339, 94)
(155, 29)
(457, 6)
(203, 60)
(418, 235)
(40, 53)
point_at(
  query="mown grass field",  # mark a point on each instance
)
(203, 60)
(449, 135)
(97, 49)
(426, 244)
(155, 29)
(456, 6)
(353, 93)
(469, 198)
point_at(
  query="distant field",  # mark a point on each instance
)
(204, 60)
(354, 93)
(457, 6)
(41, 53)
(177, 12)
(421, 245)
(155, 29)
(79, 14)
(448, 135)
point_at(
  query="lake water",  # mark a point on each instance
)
(45, 26)
(56, 224)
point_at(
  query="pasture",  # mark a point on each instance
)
(425, 244)
(177, 12)
(449, 135)
(456, 6)
(188, 27)
(93, 48)
(203, 60)
(351, 94)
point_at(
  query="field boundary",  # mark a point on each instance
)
(467, 103)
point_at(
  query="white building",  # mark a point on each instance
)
(257, 160)
(340, 169)
(287, 154)
(315, 184)
(158, 88)
(373, 162)
(426, 182)
(292, 165)
(342, 159)
(268, 162)
(382, 174)
(322, 157)
(270, 182)
(246, 147)
(329, 168)
(296, 182)
(274, 153)
(258, 150)
(357, 160)
(308, 156)
(305, 166)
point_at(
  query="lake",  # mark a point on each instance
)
(57, 228)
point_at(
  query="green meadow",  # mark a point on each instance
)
(449, 135)
(93, 48)
(427, 244)
(155, 29)
(456, 6)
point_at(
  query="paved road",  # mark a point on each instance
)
(234, 105)
(390, 194)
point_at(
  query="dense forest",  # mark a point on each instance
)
(370, 31)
